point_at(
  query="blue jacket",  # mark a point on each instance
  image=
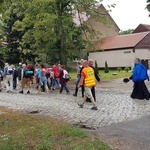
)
(139, 73)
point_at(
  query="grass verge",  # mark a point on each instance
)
(26, 132)
(113, 74)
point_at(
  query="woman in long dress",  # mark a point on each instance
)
(139, 75)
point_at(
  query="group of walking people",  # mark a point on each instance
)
(47, 78)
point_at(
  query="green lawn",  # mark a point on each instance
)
(107, 76)
(26, 132)
(113, 74)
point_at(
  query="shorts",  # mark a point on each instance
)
(43, 81)
(88, 92)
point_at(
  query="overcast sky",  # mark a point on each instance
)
(128, 14)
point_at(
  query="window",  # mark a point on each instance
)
(126, 52)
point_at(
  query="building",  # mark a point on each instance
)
(142, 28)
(101, 24)
(120, 51)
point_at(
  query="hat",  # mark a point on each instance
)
(20, 64)
(126, 80)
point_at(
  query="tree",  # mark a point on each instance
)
(148, 6)
(106, 70)
(44, 29)
(96, 67)
(129, 31)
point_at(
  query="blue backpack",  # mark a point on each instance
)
(1, 75)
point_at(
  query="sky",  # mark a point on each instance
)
(128, 14)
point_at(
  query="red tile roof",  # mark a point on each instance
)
(142, 28)
(119, 42)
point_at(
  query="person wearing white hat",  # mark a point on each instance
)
(8, 75)
(19, 73)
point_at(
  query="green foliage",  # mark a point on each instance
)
(126, 69)
(148, 6)
(44, 30)
(96, 68)
(106, 70)
(119, 69)
(129, 31)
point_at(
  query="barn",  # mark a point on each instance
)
(121, 50)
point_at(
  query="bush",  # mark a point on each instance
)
(126, 69)
(106, 67)
(96, 67)
(119, 69)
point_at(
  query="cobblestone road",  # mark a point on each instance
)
(114, 105)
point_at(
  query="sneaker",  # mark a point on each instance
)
(80, 105)
(8, 91)
(28, 92)
(21, 92)
(94, 108)
(74, 94)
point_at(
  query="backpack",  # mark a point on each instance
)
(66, 75)
(9, 70)
(1, 75)
(28, 73)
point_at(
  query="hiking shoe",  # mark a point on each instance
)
(21, 92)
(80, 105)
(74, 94)
(94, 108)
(28, 92)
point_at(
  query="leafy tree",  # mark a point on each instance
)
(129, 31)
(148, 6)
(44, 30)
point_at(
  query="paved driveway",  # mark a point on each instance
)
(113, 101)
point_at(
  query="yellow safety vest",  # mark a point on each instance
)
(89, 79)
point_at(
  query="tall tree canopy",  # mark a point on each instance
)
(44, 30)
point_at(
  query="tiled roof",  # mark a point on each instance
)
(142, 28)
(119, 42)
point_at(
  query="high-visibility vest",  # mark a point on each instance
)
(89, 79)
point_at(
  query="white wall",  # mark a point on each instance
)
(116, 58)
(142, 53)
(119, 58)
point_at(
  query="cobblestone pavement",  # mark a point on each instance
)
(114, 105)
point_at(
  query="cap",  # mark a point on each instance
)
(20, 63)
(81, 60)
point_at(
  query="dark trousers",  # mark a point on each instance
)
(64, 85)
(82, 90)
(14, 83)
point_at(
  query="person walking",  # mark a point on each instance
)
(1, 79)
(139, 75)
(63, 79)
(19, 69)
(88, 80)
(25, 80)
(15, 75)
(78, 70)
(55, 69)
(90, 63)
(8, 75)
(43, 79)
